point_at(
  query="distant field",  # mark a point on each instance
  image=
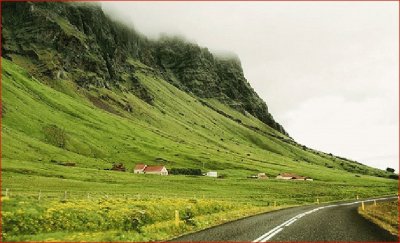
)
(26, 179)
(384, 214)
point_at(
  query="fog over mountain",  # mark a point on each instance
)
(328, 70)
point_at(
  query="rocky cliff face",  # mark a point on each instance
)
(79, 42)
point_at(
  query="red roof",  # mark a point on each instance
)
(140, 166)
(154, 168)
(292, 176)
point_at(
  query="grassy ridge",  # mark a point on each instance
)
(177, 131)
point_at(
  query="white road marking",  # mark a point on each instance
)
(268, 233)
(265, 237)
(288, 224)
(272, 235)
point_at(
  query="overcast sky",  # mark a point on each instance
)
(327, 70)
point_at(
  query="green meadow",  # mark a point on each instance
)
(50, 124)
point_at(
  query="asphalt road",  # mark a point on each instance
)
(329, 222)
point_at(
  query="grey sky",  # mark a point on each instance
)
(327, 70)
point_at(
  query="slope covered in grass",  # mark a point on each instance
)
(43, 125)
(44, 129)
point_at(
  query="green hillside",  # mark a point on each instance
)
(72, 107)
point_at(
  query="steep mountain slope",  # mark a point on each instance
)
(97, 93)
(79, 42)
(44, 129)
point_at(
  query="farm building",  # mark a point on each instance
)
(258, 176)
(289, 176)
(156, 170)
(262, 176)
(212, 174)
(139, 168)
(150, 169)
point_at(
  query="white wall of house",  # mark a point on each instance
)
(212, 174)
(164, 171)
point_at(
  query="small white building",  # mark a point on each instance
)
(212, 174)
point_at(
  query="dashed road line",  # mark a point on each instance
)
(265, 237)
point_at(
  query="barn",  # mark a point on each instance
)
(155, 170)
(290, 176)
(150, 169)
(139, 168)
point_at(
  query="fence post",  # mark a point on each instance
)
(374, 202)
(65, 195)
(275, 204)
(317, 200)
(176, 218)
(6, 192)
(362, 205)
(40, 194)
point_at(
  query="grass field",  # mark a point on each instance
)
(45, 128)
(384, 214)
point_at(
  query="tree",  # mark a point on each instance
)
(390, 170)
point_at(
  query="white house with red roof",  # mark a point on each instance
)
(289, 176)
(150, 169)
(139, 169)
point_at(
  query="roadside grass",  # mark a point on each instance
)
(384, 214)
(120, 219)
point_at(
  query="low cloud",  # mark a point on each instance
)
(327, 70)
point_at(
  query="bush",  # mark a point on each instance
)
(118, 167)
(222, 176)
(185, 171)
(188, 217)
(55, 136)
(391, 170)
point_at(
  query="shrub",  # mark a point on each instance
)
(185, 171)
(391, 170)
(188, 216)
(118, 167)
(55, 136)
